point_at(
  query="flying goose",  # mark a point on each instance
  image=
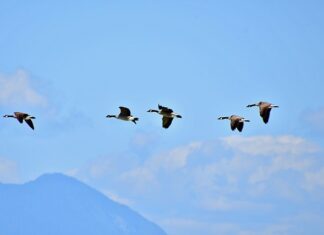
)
(236, 122)
(124, 115)
(167, 114)
(22, 117)
(265, 109)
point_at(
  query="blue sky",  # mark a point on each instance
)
(72, 63)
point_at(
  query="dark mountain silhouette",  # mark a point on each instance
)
(55, 204)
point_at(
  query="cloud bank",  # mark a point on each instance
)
(16, 89)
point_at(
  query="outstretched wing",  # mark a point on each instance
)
(265, 114)
(240, 126)
(124, 111)
(165, 109)
(166, 122)
(30, 123)
(233, 124)
(20, 116)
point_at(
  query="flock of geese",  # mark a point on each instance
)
(167, 114)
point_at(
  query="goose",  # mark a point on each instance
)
(237, 122)
(265, 109)
(167, 114)
(124, 115)
(22, 117)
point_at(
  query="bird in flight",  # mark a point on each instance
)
(265, 109)
(125, 115)
(168, 115)
(237, 122)
(21, 117)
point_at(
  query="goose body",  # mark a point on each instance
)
(167, 115)
(124, 115)
(265, 109)
(21, 117)
(237, 122)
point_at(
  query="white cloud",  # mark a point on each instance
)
(294, 224)
(224, 203)
(117, 198)
(8, 171)
(279, 163)
(266, 145)
(284, 153)
(234, 181)
(140, 178)
(98, 170)
(17, 89)
(147, 174)
(269, 229)
(73, 172)
(194, 226)
(175, 158)
(217, 181)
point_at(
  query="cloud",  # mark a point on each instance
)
(168, 161)
(141, 178)
(117, 198)
(16, 89)
(266, 145)
(175, 158)
(235, 179)
(216, 178)
(8, 171)
(178, 225)
(101, 168)
(279, 163)
(294, 224)
(284, 153)
(270, 229)
(225, 203)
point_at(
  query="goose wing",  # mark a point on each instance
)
(165, 109)
(240, 126)
(20, 116)
(166, 122)
(124, 111)
(30, 123)
(234, 123)
(265, 113)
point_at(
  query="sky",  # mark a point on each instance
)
(70, 64)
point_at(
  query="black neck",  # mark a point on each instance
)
(9, 116)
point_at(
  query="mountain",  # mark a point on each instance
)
(55, 204)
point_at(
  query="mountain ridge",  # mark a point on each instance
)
(58, 204)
